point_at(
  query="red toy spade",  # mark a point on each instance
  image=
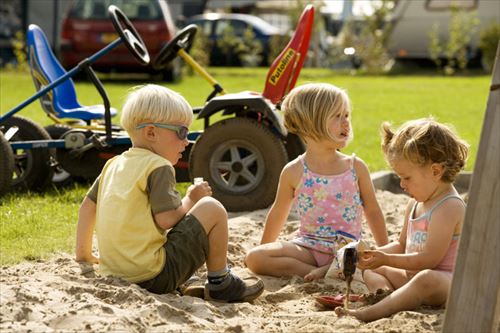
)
(285, 69)
(333, 301)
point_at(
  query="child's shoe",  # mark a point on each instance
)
(235, 289)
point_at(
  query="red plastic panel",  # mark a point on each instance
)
(285, 69)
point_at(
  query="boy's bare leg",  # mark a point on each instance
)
(427, 287)
(317, 273)
(280, 259)
(223, 285)
(213, 217)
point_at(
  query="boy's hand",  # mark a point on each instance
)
(371, 259)
(90, 258)
(197, 191)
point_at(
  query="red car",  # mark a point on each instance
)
(87, 29)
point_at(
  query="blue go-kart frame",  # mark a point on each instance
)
(30, 156)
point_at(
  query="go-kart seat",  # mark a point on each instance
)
(60, 102)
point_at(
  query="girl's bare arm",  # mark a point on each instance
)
(369, 260)
(280, 209)
(372, 210)
(445, 220)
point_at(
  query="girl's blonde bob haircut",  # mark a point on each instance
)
(425, 141)
(308, 108)
(154, 103)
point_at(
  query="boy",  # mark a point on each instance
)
(134, 201)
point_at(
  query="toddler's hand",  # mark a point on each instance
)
(199, 190)
(371, 259)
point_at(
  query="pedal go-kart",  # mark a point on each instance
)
(83, 137)
(241, 156)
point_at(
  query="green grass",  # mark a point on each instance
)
(37, 225)
(32, 226)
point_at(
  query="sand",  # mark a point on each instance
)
(60, 295)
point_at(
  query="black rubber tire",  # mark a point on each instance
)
(241, 160)
(32, 170)
(294, 146)
(61, 177)
(6, 165)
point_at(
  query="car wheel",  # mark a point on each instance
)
(242, 160)
(32, 170)
(6, 165)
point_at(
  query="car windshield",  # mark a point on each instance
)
(262, 25)
(134, 10)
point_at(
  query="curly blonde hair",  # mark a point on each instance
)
(425, 141)
(307, 109)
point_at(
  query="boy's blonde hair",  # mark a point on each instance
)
(308, 108)
(154, 103)
(425, 141)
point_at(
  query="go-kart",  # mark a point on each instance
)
(241, 157)
(83, 137)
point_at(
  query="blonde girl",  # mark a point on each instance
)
(330, 190)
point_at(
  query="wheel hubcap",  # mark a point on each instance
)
(237, 166)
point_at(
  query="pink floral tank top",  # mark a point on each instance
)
(330, 209)
(416, 235)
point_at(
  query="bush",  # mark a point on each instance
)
(369, 39)
(227, 43)
(200, 51)
(455, 50)
(276, 45)
(245, 50)
(20, 52)
(250, 49)
(489, 37)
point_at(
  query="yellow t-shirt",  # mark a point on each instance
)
(130, 243)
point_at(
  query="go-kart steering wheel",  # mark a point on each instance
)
(128, 34)
(183, 40)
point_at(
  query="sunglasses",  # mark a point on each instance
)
(181, 131)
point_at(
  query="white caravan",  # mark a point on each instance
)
(413, 20)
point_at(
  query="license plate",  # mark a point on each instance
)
(108, 37)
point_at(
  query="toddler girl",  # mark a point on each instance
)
(427, 156)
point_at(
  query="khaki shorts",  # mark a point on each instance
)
(186, 250)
